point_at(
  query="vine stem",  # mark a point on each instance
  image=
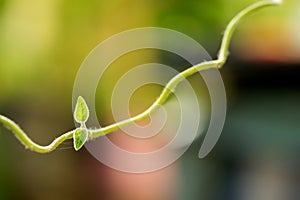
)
(218, 63)
(28, 143)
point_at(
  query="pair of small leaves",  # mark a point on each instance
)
(81, 115)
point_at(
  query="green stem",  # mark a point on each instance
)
(28, 143)
(222, 57)
(223, 53)
(218, 63)
(160, 100)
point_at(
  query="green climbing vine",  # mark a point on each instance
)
(82, 134)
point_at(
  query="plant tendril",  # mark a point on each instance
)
(82, 135)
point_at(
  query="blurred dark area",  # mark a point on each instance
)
(42, 45)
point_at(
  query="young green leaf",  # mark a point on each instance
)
(81, 112)
(79, 138)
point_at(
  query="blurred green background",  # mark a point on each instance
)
(43, 43)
